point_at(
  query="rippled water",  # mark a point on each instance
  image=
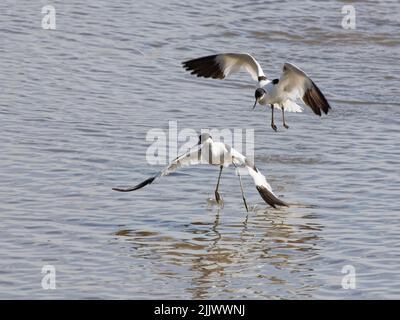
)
(76, 104)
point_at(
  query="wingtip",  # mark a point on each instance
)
(270, 198)
(206, 67)
(328, 109)
(314, 98)
(139, 186)
(121, 189)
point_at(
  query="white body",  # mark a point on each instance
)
(217, 153)
(276, 96)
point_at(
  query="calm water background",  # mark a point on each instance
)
(76, 104)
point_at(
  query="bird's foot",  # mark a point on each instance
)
(274, 127)
(218, 198)
(285, 125)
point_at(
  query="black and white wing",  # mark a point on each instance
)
(262, 186)
(192, 157)
(296, 84)
(220, 66)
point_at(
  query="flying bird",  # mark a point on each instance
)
(219, 154)
(279, 93)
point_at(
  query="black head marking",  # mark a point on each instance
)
(259, 93)
(260, 78)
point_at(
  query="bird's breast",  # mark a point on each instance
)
(272, 94)
(216, 154)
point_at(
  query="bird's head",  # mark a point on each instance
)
(259, 94)
(204, 137)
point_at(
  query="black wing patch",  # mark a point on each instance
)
(270, 198)
(139, 186)
(207, 67)
(314, 98)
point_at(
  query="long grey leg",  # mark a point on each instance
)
(241, 188)
(283, 118)
(273, 126)
(217, 196)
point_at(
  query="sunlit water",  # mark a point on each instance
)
(76, 104)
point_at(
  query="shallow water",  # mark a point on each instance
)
(76, 104)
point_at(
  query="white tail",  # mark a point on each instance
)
(290, 106)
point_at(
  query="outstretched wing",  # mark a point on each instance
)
(220, 66)
(192, 157)
(262, 186)
(296, 84)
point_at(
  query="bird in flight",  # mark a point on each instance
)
(279, 93)
(219, 154)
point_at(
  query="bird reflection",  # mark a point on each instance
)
(262, 254)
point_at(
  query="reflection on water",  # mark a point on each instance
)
(215, 253)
